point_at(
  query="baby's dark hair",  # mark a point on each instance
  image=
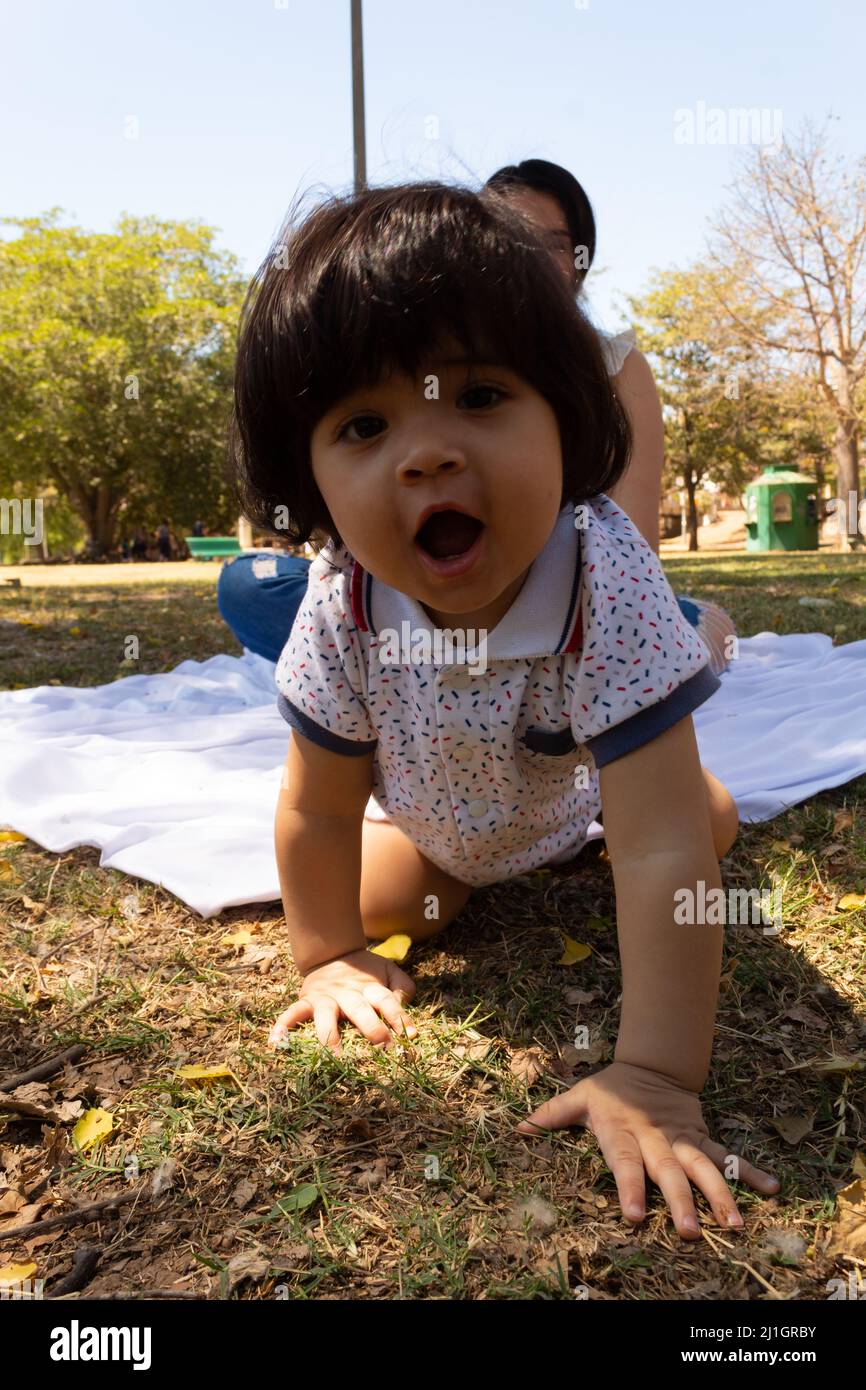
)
(377, 281)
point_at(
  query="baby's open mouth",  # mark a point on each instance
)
(447, 534)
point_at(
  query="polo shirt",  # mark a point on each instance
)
(491, 767)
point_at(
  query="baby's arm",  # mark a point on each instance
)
(318, 835)
(658, 835)
(644, 1108)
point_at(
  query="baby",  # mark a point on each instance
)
(488, 655)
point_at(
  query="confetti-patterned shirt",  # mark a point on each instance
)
(490, 766)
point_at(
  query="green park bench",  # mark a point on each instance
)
(212, 547)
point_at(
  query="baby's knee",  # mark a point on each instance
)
(402, 892)
(726, 823)
(724, 816)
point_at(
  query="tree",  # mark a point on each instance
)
(116, 357)
(717, 416)
(795, 238)
(804, 435)
(730, 405)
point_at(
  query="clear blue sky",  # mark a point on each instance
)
(242, 102)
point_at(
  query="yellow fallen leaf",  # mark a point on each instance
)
(75, 632)
(858, 1165)
(242, 937)
(848, 1232)
(15, 1274)
(215, 1073)
(395, 947)
(852, 901)
(574, 951)
(94, 1125)
(11, 836)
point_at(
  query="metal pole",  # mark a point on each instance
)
(358, 132)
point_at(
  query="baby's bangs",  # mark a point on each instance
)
(381, 281)
(407, 276)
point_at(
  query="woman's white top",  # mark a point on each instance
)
(616, 348)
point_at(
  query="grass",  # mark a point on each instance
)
(397, 1174)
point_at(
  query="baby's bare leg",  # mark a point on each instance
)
(724, 816)
(401, 888)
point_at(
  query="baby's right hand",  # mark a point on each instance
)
(354, 986)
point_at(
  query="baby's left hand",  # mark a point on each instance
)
(643, 1121)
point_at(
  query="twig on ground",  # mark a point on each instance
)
(79, 1009)
(84, 1262)
(69, 1218)
(95, 986)
(761, 1280)
(139, 1294)
(64, 946)
(42, 1069)
(51, 879)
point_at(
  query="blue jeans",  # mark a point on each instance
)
(260, 605)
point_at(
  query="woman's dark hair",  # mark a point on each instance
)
(377, 281)
(544, 177)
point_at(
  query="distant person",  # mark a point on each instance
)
(163, 540)
(198, 528)
(139, 544)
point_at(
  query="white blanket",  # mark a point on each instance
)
(175, 777)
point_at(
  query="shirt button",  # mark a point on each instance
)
(462, 753)
(477, 808)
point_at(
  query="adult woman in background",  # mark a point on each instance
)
(553, 199)
(558, 206)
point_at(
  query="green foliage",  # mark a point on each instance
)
(63, 530)
(116, 357)
(729, 408)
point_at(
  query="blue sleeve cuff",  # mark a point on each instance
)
(308, 727)
(656, 719)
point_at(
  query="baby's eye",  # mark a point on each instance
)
(361, 421)
(483, 390)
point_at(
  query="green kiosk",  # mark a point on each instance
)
(782, 510)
